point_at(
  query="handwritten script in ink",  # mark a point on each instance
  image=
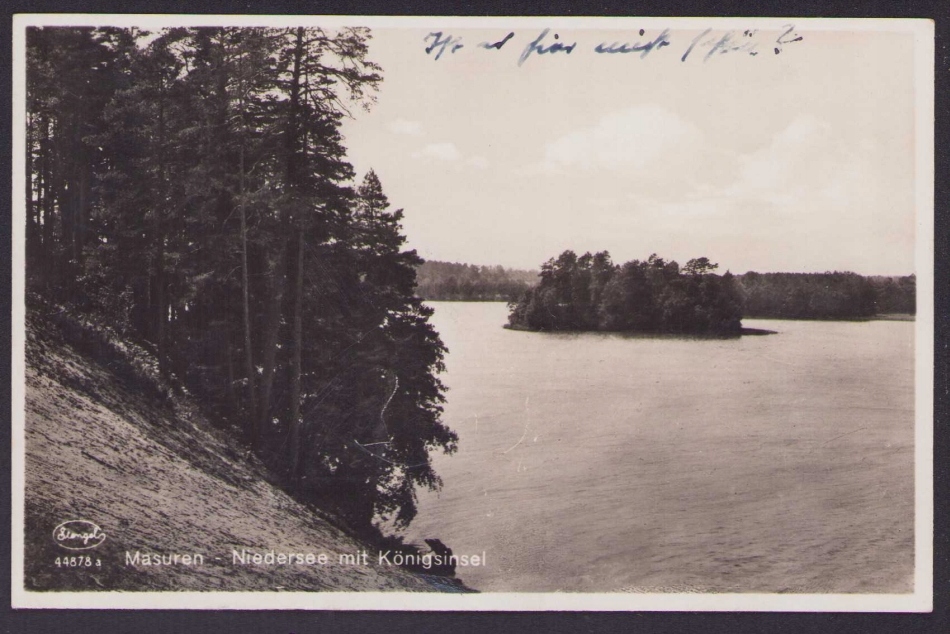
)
(705, 46)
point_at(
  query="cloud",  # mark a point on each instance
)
(479, 162)
(808, 188)
(797, 154)
(445, 151)
(404, 126)
(804, 165)
(622, 141)
(803, 178)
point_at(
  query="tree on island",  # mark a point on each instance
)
(652, 296)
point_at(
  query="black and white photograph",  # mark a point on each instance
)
(472, 313)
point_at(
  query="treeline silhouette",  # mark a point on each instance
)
(834, 295)
(449, 281)
(189, 188)
(651, 296)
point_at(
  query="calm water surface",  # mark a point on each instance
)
(599, 462)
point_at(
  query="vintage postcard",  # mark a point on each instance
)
(472, 313)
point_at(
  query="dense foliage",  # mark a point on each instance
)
(897, 294)
(591, 293)
(826, 295)
(190, 188)
(448, 281)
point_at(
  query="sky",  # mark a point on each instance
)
(796, 161)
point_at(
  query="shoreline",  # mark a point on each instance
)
(650, 333)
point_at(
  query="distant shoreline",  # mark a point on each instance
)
(895, 317)
(753, 332)
(881, 317)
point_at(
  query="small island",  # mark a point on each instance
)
(591, 293)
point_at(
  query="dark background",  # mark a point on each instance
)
(182, 621)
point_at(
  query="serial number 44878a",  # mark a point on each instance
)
(78, 561)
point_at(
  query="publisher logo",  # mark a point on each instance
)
(78, 535)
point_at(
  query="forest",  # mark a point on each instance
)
(826, 295)
(449, 281)
(189, 189)
(590, 292)
(832, 295)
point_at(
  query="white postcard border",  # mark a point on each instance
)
(921, 600)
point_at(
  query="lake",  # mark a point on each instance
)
(596, 462)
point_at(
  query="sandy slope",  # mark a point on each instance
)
(103, 444)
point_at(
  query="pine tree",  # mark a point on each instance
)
(203, 200)
(394, 402)
(72, 73)
(145, 211)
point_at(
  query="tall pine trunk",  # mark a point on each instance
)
(292, 168)
(271, 332)
(82, 215)
(160, 303)
(161, 308)
(292, 139)
(295, 377)
(251, 416)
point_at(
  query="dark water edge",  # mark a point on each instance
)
(895, 317)
(649, 334)
(758, 331)
(878, 317)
